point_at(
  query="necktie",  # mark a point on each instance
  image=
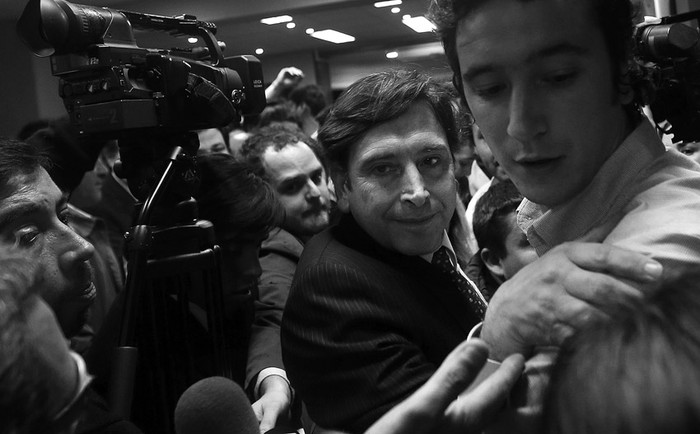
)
(441, 259)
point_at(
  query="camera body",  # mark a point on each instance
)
(668, 54)
(112, 87)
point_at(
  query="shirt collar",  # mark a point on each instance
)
(445, 243)
(605, 195)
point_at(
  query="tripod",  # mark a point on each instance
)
(174, 330)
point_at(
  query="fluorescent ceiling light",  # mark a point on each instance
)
(276, 20)
(386, 4)
(419, 24)
(333, 36)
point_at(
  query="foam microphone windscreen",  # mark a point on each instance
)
(215, 405)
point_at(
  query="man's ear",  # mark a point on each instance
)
(341, 190)
(624, 87)
(494, 264)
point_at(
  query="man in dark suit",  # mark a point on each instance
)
(378, 301)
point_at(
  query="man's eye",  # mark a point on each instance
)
(64, 217)
(382, 169)
(26, 236)
(489, 91)
(561, 78)
(431, 161)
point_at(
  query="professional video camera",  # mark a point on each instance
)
(174, 330)
(669, 56)
(111, 86)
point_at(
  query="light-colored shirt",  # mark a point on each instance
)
(644, 198)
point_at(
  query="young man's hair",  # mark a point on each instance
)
(634, 373)
(275, 136)
(285, 111)
(378, 98)
(70, 156)
(491, 213)
(234, 198)
(312, 95)
(17, 158)
(25, 395)
(614, 17)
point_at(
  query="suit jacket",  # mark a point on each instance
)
(279, 255)
(364, 327)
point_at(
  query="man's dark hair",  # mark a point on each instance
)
(285, 111)
(312, 95)
(275, 136)
(378, 98)
(25, 395)
(614, 17)
(234, 198)
(70, 156)
(491, 213)
(635, 372)
(17, 158)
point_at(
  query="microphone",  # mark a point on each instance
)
(215, 405)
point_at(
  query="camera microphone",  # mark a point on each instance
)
(215, 405)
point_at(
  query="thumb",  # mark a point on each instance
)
(424, 410)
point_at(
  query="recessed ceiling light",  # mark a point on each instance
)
(406, 17)
(192, 40)
(276, 20)
(419, 24)
(291, 25)
(333, 36)
(392, 55)
(387, 3)
(259, 51)
(309, 31)
(395, 10)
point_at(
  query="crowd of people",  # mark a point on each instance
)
(514, 251)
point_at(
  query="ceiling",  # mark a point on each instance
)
(238, 23)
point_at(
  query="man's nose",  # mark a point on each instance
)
(413, 187)
(76, 249)
(312, 191)
(526, 120)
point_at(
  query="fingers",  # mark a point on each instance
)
(474, 409)
(614, 261)
(456, 372)
(424, 410)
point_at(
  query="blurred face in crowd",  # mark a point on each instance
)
(89, 191)
(302, 186)
(211, 141)
(400, 185)
(539, 82)
(33, 221)
(241, 262)
(689, 149)
(485, 157)
(518, 251)
(67, 381)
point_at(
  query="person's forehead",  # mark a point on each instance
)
(417, 128)
(294, 156)
(210, 136)
(29, 193)
(526, 31)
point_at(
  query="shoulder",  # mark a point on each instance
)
(662, 217)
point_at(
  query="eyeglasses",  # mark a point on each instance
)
(71, 412)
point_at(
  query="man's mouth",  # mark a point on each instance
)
(316, 211)
(539, 163)
(89, 292)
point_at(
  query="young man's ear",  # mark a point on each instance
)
(493, 263)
